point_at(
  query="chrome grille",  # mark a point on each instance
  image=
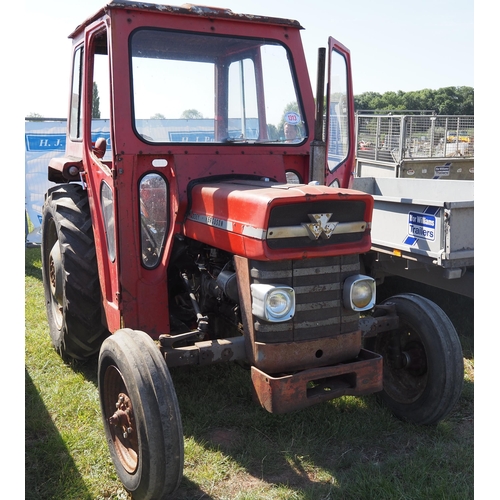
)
(348, 215)
(318, 293)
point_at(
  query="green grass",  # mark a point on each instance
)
(349, 448)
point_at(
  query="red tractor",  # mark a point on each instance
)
(203, 214)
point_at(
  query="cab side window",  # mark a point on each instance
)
(75, 123)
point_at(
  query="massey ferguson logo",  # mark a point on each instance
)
(320, 226)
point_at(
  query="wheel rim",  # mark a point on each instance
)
(55, 275)
(119, 417)
(406, 383)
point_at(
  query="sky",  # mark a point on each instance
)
(395, 45)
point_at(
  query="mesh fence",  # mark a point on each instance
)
(393, 138)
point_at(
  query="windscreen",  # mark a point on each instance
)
(197, 88)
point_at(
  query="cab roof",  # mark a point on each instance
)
(185, 10)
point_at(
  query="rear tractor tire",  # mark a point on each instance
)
(423, 361)
(70, 276)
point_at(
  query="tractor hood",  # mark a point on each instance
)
(270, 221)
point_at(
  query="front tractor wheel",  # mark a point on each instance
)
(423, 361)
(141, 415)
(70, 275)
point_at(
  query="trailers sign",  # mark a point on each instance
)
(422, 226)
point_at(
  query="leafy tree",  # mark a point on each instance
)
(466, 100)
(192, 114)
(158, 116)
(364, 101)
(96, 113)
(272, 132)
(444, 101)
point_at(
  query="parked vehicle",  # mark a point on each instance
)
(413, 173)
(459, 136)
(175, 239)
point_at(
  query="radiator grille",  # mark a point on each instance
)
(294, 215)
(318, 288)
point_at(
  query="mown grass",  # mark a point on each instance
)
(349, 448)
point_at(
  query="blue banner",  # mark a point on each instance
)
(45, 142)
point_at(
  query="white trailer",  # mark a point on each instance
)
(419, 168)
(422, 229)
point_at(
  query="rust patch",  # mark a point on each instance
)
(282, 394)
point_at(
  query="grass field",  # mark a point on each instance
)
(349, 448)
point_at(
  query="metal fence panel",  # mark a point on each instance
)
(392, 138)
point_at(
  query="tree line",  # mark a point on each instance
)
(443, 101)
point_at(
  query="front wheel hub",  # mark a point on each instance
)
(123, 417)
(120, 418)
(415, 358)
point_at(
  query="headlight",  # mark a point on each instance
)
(153, 210)
(292, 177)
(273, 302)
(359, 292)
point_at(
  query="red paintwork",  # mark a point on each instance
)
(247, 209)
(133, 296)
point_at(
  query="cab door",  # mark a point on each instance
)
(340, 138)
(99, 167)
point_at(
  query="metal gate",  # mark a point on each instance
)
(404, 142)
